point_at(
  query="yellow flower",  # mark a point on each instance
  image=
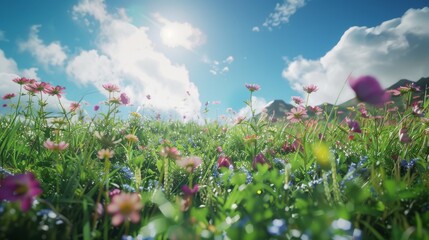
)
(322, 154)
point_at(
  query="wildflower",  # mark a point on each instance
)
(259, 159)
(55, 146)
(135, 115)
(170, 152)
(189, 163)
(37, 87)
(316, 109)
(297, 100)
(219, 149)
(131, 138)
(277, 227)
(74, 106)
(114, 100)
(124, 99)
(111, 87)
(252, 87)
(311, 88)
(125, 207)
(403, 135)
(96, 107)
(353, 125)
(322, 154)
(223, 161)
(105, 153)
(21, 188)
(114, 192)
(8, 96)
(188, 191)
(297, 114)
(368, 89)
(55, 91)
(23, 81)
(251, 138)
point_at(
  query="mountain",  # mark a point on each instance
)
(278, 108)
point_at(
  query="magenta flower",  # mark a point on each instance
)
(297, 100)
(369, 90)
(74, 106)
(37, 87)
(353, 125)
(23, 81)
(8, 96)
(21, 188)
(223, 161)
(111, 87)
(311, 88)
(297, 114)
(259, 159)
(55, 146)
(125, 207)
(124, 99)
(96, 107)
(252, 87)
(403, 135)
(188, 191)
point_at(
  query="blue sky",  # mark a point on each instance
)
(210, 49)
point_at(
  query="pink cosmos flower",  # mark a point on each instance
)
(297, 114)
(125, 207)
(188, 191)
(55, 146)
(124, 99)
(110, 87)
(189, 163)
(311, 88)
(8, 96)
(316, 109)
(74, 106)
(223, 161)
(297, 100)
(369, 90)
(55, 91)
(23, 80)
(252, 87)
(21, 188)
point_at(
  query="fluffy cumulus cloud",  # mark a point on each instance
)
(51, 54)
(125, 56)
(258, 104)
(282, 13)
(176, 34)
(394, 50)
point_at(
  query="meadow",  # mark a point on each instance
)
(73, 175)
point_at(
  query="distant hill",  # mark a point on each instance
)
(278, 108)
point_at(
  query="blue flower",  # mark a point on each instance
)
(277, 227)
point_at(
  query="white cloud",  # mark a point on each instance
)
(258, 104)
(282, 13)
(175, 34)
(9, 70)
(255, 29)
(52, 54)
(93, 8)
(125, 56)
(218, 67)
(396, 49)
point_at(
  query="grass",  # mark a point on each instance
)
(315, 179)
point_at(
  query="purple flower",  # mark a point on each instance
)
(252, 87)
(369, 90)
(259, 159)
(96, 107)
(353, 125)
(223, 161)
(124, 99)
(188, 191)
(21, 188)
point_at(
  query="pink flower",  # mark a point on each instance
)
(170, 152)
(297, 114)
(369, 90)
(252, 87)
(259, 159)
(110, 87)
(223, 161)
(74, 106)
(55, 91)
(105, 153)
(316, 109)
(188, 191)
(403, 135)
(55, 146)
(125, 207)
(297, 100)
(21, 188)
(189, 163)
(8, 96)
(96, 107)
(114, 192)
(23, 81)
(311, 88)
(124, 99)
